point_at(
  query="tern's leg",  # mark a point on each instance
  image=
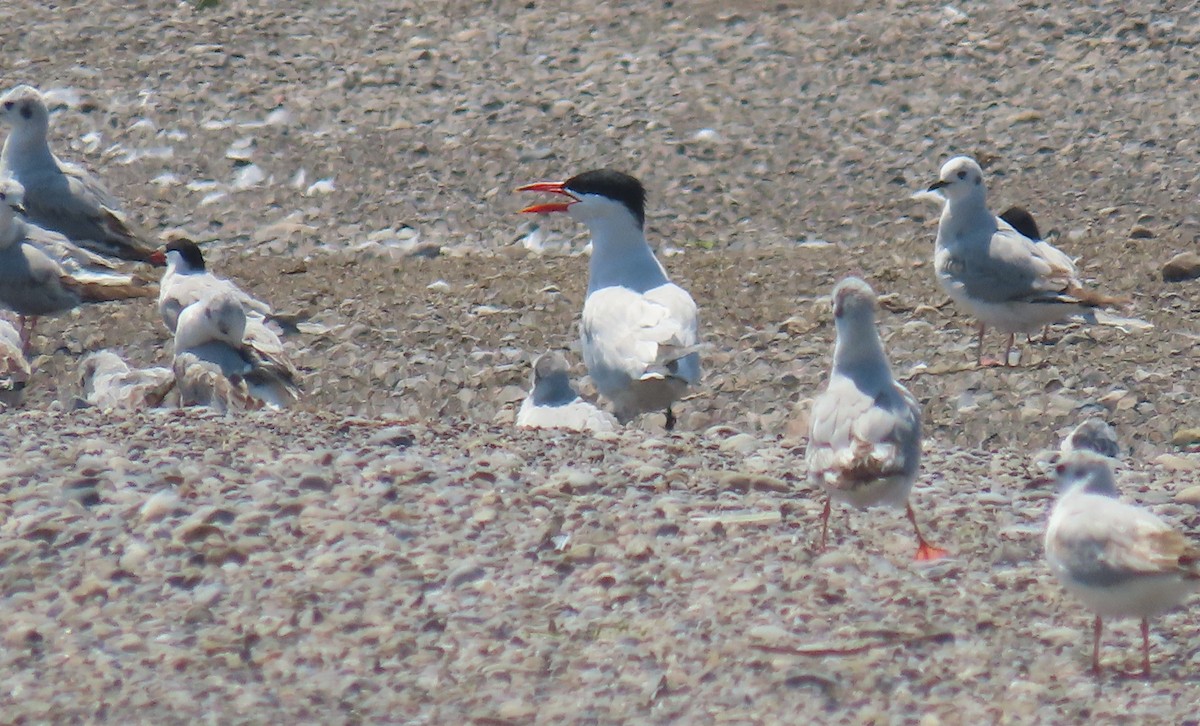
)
(1146, 647)
(825, 521)
(925, 551)
(1097, 629)
(670, 423)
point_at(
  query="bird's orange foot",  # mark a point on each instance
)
(927, 553)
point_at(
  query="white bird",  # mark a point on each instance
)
(1093, 435)
(187, 280)
(1120, 560)
(59, 196)
(33, 283)
(1003, 278)
(864, 446)
(639, 330)
(553, 403)
(14, 367)
(109, 383)
(216, 331)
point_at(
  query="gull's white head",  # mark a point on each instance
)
(596, 197)
(960, 178)
(1083, 470)
(853, 302)
(12, 196)
(1093, 435)
(23, 109)
(217, 318)
(552, 380)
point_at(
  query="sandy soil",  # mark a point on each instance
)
(394, 551)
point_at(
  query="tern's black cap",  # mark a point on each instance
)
(1021, 220)
(616, 186)
(190, 252)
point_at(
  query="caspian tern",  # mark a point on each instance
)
(639, 331)
(59, 196)
(1003, 278)
(864, 446)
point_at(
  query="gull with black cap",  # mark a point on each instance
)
(639, 331)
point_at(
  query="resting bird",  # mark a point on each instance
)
(109, 383)
(59, 196)
(553, 403)
(215, 332)
(639, 330)
(864, 447)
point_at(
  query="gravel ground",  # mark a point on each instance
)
(394, 551)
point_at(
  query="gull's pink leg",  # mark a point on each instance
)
(925, 551)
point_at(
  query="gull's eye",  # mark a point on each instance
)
(26, 112)
(962, 174)
(8, 105)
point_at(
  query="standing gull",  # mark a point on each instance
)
(639, 330)
(864, 447)
(1120, 560)
(32, 283)
(554, 404)
(60, 196)
(1003, 278)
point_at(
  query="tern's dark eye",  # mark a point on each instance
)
(962, 174)
(8, 105)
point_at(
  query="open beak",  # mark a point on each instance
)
(157, 258)
(20, 209)
(553, 188)
(938, 185)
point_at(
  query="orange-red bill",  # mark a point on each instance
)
(553, 188)
(547, 208)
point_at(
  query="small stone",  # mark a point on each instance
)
(1183, 266)
(1172, 462)
(1186, 437)
(1140, 232)
(1190, 495)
